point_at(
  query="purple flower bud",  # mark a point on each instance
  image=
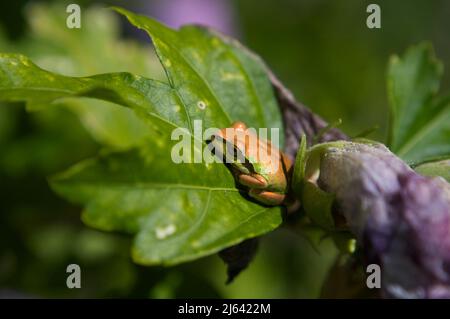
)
(402, 219)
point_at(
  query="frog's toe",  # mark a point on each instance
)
(251, 181)
(266, 197)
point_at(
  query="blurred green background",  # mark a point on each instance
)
(322, 50)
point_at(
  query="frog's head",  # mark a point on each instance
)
(256, 162)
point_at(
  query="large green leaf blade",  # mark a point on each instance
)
(118, 190)
(179, 211)
(420, 126)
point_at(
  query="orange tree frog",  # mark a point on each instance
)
(261, 167)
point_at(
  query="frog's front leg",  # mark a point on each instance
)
(267, 197)
(253, 181)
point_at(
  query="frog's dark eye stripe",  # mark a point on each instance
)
(220, 152)
(238, 155)
(230, 151)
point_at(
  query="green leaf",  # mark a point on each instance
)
(209, 68)
(420, 123)
(179, 211)
(298, 175)
(318, 205)
(436, 168)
